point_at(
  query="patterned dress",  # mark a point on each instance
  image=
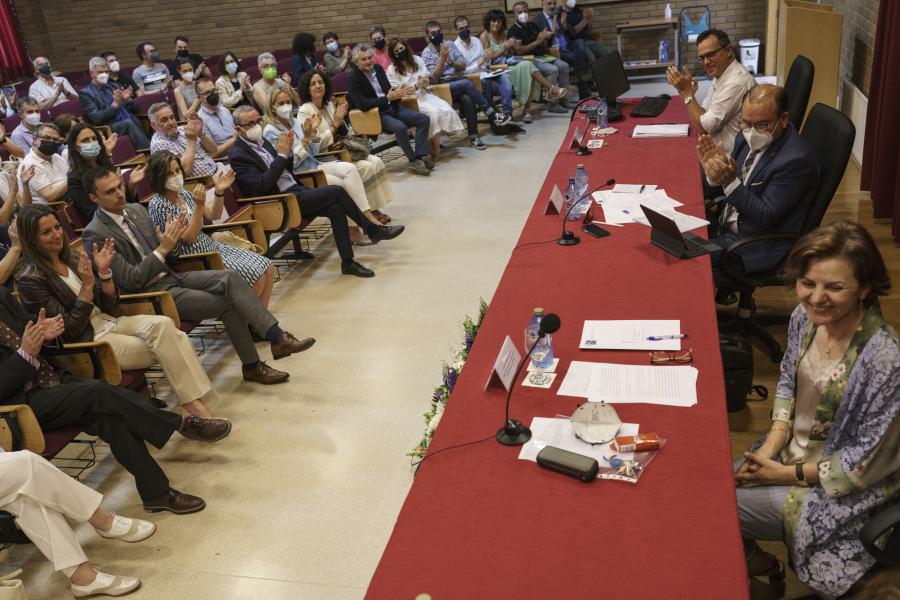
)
(249, 264)
(857, 423)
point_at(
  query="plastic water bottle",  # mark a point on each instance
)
(542, 356)
(664, 51)
(668, 11)
(581, 180)
(571, 196)
(603, 114)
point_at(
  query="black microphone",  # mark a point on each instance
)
(514, 433)
(568, 238)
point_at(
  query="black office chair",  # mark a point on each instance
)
(831, 135)
(797, 86)
(882, 521)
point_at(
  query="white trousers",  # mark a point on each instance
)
(41, 497)
(374, 178)
(140, 341)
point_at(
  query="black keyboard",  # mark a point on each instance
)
(649, 106)
(695, 248)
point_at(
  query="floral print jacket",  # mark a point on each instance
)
(858, 420)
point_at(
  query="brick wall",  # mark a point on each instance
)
(857, 40)
(69, 32)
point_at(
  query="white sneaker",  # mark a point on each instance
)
(128, 530)
(106, 584)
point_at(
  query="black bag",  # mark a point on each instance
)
(737, 362)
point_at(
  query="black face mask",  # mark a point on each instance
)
(379, 43)
(465, 33)
(46, 147)
(154, 56)
(45, 70)
(213, 99)
(403, 55)
(437, 38)
(183, 52)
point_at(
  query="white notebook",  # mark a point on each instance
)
(666, 130)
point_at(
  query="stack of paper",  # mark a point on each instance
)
(622, 207)
(628, 384)
(630, 335)
(559, 434)
(632, 188)
(683, 221)
(665, 130)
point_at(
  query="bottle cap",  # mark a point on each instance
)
(580, 165)
(538, 311)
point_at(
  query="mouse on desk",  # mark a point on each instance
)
(665, 96)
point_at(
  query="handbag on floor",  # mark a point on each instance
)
(737, 363)
(11, 588)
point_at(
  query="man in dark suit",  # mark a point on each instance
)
(767, 183)
(104, 104)
(261, 170)
(365, 75)
(141, 265)
(118, 416)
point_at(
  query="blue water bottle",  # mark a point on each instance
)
(571, 196)
(603, 114)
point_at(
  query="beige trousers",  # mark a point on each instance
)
(41, 497)
(378, 187)
(142, 340)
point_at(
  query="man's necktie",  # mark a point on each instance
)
(145, 244)
(748, 164)
(45, 377)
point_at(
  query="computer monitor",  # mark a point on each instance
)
(609, 75)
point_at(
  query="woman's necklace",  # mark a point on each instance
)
(834, 343)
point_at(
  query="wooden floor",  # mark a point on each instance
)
(747, 425)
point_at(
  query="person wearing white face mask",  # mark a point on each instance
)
(533, 39)
(767, 181)
(118, 78)
(185, 93)
(29, 118)
(105, 104)
(233, 85)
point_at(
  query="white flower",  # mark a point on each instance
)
(433, 423)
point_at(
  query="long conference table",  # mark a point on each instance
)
(479, 523)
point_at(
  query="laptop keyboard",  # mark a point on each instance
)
(695, 248)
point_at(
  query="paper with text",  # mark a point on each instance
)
(629, 335)
(559, 434)
(629, 384)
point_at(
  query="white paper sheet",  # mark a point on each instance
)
(632, 188)
(624, 207)
(577, 379)
(629, 384)
(661, 130)
(559, 433)
(629, 335)
(683, 221)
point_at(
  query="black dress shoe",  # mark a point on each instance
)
(175, 502)
(157, 403)
(354, 268)
(385, 232)
(205, 430)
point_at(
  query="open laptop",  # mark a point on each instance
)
(664, 234)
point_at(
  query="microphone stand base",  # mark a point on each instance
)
(583, 151)
(569, 239)
(514, 434)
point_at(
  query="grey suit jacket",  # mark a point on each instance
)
(132, 273)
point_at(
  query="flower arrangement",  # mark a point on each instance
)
(449, 376)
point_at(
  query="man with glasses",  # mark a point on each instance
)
(767, 181)
(105, 104)
(217, 120)
(29, 121)
(187, 142)
(47, 89)
(50, 180)
(151, 75)
(720, 112)
(117, 78)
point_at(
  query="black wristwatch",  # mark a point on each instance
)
(800, 475)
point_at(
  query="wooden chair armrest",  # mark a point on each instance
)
(135, 161)
(200, 261)
(149, 303)
(33, 437)
(410, 102)
(89, 360)
(342, 154)
(499, 67)
(442, 90)
(312, 179)
(77, 244)
(528, 57)
(475, 78)
(251, 230)
(59, 204)
(366, 123)
(277, 212)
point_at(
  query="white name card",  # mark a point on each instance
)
(575, 144)
(505, 366)
(555, 203)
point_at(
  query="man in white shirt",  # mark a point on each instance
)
(720, 114)
(476, 62)
(47, 89)
(50, 180)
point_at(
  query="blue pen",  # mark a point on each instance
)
(658, 338)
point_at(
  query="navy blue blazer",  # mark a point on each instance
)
(251, 173)
(362, 94)
(99, 110)
(777, 197)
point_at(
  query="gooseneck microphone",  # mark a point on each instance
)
(568, 238)
(514, 433)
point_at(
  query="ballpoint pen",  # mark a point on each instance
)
(642, 189)
(675, 336)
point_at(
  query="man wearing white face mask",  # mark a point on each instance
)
(115, 107)
(531, 38)
(767, 181)
(117, 78)
(30, 117)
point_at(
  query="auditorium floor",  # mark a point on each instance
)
(303, 494)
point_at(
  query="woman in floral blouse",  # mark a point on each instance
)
(831, 456)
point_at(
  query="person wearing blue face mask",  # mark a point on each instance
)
(86, 151)
(233, 85)
(49, 182)
(337, 59)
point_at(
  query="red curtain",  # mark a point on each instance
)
(881, 150)
(14, 63)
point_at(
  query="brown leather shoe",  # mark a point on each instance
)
(175, 502)
(205, 430)
(290, 345)
(263, 373)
